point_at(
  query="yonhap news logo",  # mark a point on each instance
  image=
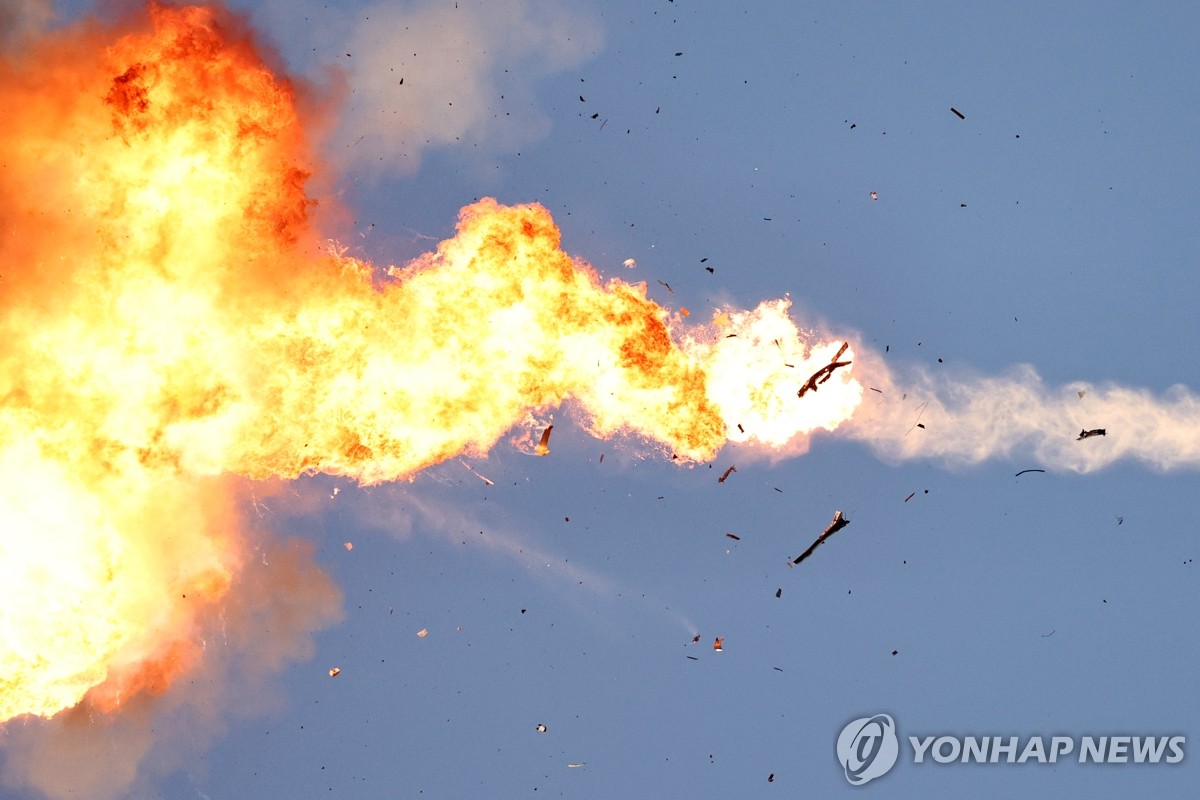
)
(868, 748)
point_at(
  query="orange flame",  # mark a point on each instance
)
(166, 321)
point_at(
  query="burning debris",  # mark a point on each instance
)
(543, 446)
(838, 523)
(825, 372)
(1089, 434)
(719, 644)
(541, 728)
(335, 671)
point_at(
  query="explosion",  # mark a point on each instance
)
(169, 317)
(167, 320)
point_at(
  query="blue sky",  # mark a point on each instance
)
(1054, 226)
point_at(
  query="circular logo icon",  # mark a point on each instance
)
(867, 748)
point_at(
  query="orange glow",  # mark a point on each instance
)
(166, 319)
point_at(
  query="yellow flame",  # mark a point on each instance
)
(166, 320)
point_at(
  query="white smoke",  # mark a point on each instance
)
(964, 419)
(426, 75)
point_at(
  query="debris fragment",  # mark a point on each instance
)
(1022, 472)
(771, 778)
(577, 764)
(895, 652)
(348, 545)
(1091, 433)
(669, 289)
(541, 728)
(874, 195)
(543, 446)
(726, 474)
(630, 263)
(733, 536)
(779, 592)
(333, 673)
(825, 372)
(1048, 635)
(421, 634)
(696, 639)
(693, 658)
(718, 645)
(957, 113)
(910, 497)
(838, 523)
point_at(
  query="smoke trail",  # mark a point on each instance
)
(965, 419)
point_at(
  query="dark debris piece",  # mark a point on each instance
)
(838, 523)
(825, 372)
(1091, 433)
(733, 536)
(726, 474)
(957, 113)
(1022, 472)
